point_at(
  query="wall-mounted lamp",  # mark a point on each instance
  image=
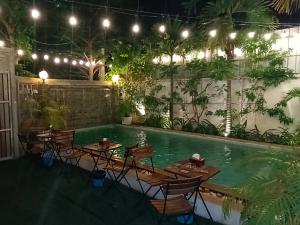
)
(43, 75)
(115, 79)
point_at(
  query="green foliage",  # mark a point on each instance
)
(184, 124)
(126, 108)
(158, 121)
(206, 127)
(271, 198)
(20, 71)
(221, 68)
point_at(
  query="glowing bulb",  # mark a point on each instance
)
(34, 56)
(56, 60)
(81, 62)
(66, 60)
(115, 78)
(136, 28)
(110, 66)
(213, 33)
(43, 75)
(267, 36)
(87, 64)
(162, 28)
(185, 34)
(232, 35)
(46, 57)
(106, 23)
(2, 43)
(251, 34)
(35, 14)
(201, 55)
(20, 52)
(73, 21)
(74, 62)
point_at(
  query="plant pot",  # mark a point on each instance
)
(182, 219)
(127, 120)
(98, 178)
(48, 158)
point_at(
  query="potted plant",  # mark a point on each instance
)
(125, 110)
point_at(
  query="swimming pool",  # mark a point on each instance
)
(171, 147)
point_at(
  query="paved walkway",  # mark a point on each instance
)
(33, 195)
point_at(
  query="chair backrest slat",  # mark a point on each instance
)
(63, 138)
(142, 152)
(182, 186)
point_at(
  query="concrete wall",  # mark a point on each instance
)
(90, 103)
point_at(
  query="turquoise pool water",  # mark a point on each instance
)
(230, 157)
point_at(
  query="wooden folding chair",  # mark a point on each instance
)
(63, 147)
(183, 190)
(147, 174)
(120, 168)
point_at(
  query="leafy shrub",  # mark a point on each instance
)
(206, 127)
(159, 121)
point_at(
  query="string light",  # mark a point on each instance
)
(267, 36)
(2, 43)
(185, 34)
(232, 35)
(35, 14)
(136, 28)
(66, 60)
(46, 57)
(81, 62)
(74, 62)
(87, 64)
(34, 56)
(20, 52)
(213, 33)
(162, 28)
(73, 21)
(56, 60)
(251, 34)
(106, 23)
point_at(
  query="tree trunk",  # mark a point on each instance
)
(171, 110)
(228, 120)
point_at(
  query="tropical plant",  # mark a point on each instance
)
(169, 44)
(286, 6)
(157, 120)
(224, 17)
(272, 197)
(14, 24)
(206, 127)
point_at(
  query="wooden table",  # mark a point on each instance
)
(97, 152)
(186, 169)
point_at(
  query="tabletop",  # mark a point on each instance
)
(95, 148)
(185, 169)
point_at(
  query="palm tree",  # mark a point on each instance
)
(172, 43)
(286, 6)
(225, 17)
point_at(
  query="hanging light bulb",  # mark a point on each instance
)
(185, 34)
(267, 36)
(35, 14)
(2, 43)
(56, 60)
(251, 34)
(213, 33)
(20, 52)
(66, 60)
(81, 62)
(74, 62)
(34, 56)
(87, 64)
(232, 35)
(106, 23)
(162, 28)
(73, 21)
(46, 57)
(136, 28)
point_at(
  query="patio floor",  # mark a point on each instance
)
(33, 195)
